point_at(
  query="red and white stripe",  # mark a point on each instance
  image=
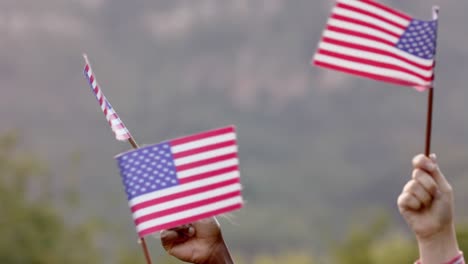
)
(117, 126)
(360, 39)
(207, 167)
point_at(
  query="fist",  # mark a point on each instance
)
(200, 242)
(426, 202)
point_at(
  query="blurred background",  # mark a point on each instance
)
(323, 155)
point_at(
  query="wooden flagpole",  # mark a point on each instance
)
(430, 102)
(430, 96)
(132, 142)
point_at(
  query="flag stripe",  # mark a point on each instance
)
(372, 62)
(186, 203)
(203, 149)
(377, 52)
(183, 188)
(350, 23)
(369, 18)
(207, 168)
(189, 219)
(371, 11)
(204, 162)
(186, 193)
(190, 213)
(186, 197)
(205, 175)
(390, 73)
(205, 156)
(203, 142)
(382, 8)
(375, 45)
(360, 35)
(204, 135)
(365, 74)
(325, 46)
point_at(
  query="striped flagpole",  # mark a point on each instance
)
(117, 126)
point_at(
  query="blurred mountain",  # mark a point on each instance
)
(318, 149)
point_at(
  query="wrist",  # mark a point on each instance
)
(220, 254)
(440, 247)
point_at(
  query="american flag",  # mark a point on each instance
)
(371, 40)
(182, 180)
(117, 126)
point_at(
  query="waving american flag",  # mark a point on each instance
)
(369, 39)
(182, 180)
(117, 126)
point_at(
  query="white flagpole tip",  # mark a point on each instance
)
(85, 56)
(435, 12)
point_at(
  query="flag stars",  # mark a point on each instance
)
(150, 170)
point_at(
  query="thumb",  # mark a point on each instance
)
(438, 176)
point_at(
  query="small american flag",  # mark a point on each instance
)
(182, 180)
(371, 40)
(117, 126)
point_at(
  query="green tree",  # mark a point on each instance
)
(374, 243)
(32, 229)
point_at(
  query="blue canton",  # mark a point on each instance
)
(147, 169)
(419, 39)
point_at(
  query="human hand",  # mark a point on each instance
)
(200, 242)
(426, 203)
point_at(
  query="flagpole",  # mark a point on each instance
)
(134, 144)
(430, 102)
(430, 96)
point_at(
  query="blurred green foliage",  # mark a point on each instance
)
(34, 230)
